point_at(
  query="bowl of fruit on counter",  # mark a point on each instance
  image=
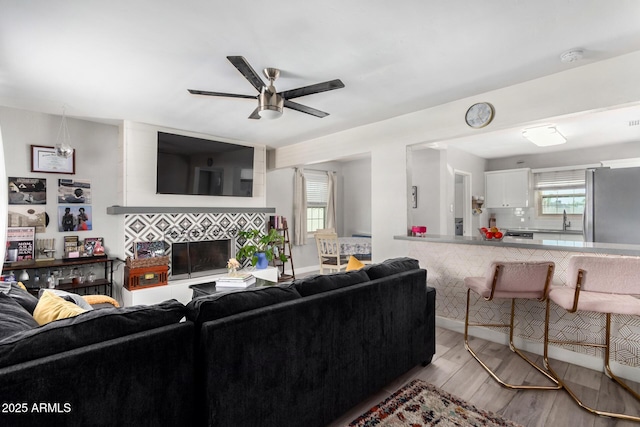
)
(492, 233)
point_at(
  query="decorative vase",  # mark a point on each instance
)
(262, 261)
(232, 271)
(24, 276)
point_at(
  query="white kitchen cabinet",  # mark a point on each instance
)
(507, 188)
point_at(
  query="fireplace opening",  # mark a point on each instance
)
(195, 259)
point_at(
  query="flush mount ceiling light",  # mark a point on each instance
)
(544, 136)
(572, 55)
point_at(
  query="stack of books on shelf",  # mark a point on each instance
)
(277, 221)
(236, 280)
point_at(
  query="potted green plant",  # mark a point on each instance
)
(261, 248)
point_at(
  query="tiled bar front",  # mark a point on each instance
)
(449, 263)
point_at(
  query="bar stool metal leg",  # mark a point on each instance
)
(607, 355)
(550, 376)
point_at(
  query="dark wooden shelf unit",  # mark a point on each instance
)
(284, 248)
(101, 285)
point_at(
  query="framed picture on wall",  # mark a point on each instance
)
(45, 159)
(20, 243)
(74, 191)
(414, 196)
(75, 218)
(27, 191)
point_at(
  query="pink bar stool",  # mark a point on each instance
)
(608, 285)
(511, 280)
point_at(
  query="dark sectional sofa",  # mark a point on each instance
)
(105, 367)
(291, 355)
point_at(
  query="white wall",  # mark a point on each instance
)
(425, 175)
(95, 147)
(458, 160)
(594, 86)
(353, 207)
(137, 162)
(3, 197)
(585, 156)
(356, 215)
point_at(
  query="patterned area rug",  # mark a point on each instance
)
(422, 404)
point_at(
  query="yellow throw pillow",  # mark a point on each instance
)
(100, 299)
(52, 307)
(354, 264)
(21, 286)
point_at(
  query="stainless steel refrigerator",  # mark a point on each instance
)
(612, 206)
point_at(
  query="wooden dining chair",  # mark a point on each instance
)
(329, 252)
(605, 285)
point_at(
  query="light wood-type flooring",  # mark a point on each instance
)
(453, 369)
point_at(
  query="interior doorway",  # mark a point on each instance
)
(462, 204)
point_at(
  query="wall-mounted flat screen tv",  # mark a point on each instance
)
(188, 165)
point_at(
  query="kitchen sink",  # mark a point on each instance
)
(546, 230)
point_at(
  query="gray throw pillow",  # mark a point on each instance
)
(68, 296)
(24, 298)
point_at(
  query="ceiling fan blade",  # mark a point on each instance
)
(247, 71)
(255, 114)
(304, 109)
(229, 95)
(316, 88)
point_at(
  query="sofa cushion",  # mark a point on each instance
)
(23, 297)
(315, 284)
(53, 307)
(391, 266)
(14, 318)
(87, 328)
(223, 304)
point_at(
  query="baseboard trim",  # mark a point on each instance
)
(586, 361)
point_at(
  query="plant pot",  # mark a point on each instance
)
(262, 261)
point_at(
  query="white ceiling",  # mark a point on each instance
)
(134, 60)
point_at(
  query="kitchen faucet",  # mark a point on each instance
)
(565, 224)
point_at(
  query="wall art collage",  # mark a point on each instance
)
(27, 214)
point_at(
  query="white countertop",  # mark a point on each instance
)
(564, 245)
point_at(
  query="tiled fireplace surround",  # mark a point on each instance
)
(177, 227)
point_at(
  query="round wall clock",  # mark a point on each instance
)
(479, 115)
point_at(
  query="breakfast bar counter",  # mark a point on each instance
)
(547, 244)
(449, 259)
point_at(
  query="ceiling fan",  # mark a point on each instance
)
(270, 102)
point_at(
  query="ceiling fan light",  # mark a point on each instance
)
(544, 136)
(270, 104)
(269, 112)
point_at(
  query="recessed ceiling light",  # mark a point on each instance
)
(572, 55)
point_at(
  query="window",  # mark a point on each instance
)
(559, 191)
(317, 191)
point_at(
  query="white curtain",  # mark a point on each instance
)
(3, 201)
(331, 200)
(299, 208)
